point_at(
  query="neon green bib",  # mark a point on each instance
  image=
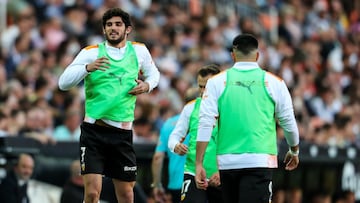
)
(210, 163)
(107, 91)
(246, 122)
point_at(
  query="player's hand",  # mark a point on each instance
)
(101, 63)
(200, 177)
(291, 161)
(181, 148)
(159, 195)
(214, 180)
(140, 88)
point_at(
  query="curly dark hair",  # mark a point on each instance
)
(116, 12)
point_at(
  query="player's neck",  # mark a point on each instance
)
(118, 45)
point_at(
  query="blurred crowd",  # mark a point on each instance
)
(312, 44)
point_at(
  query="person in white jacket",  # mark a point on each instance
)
(187, 126)
(246, 102)
(110, 72)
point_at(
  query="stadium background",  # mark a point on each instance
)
(312, 44)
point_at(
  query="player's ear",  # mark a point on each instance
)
(128, 29)
(233, 56)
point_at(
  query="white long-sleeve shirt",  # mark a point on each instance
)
(284, 112)
(76, 71)
(182, 126)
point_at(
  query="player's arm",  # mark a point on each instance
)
(156, 170)
(178, 135)
(77, 70)
(207, 119)
(147, 66)
(284, 112)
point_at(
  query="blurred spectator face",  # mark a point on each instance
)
(75, 22)
(142, 127)
(25, 167)
(4, 122)
(26, 19)
(23, 43)
(111, 3)
(34, 120)
(53, 33)
(182, 84)
(73, 120)
(16, 88)
(2, 74)
(12, 102)
(18, 121)
(328, 97)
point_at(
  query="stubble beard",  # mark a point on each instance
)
(115, 42)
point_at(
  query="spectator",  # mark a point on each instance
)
(23, 21)
(187, 40)
(70, 130)
(35, 126)
(326, 105)
(18, 54)
(73, 191)
(14, 187)
(143, 132)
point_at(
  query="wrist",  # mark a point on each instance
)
(86, 68)
(294, 152)
(156, 185)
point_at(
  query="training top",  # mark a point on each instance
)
(102, 88)
(76, 71)
(188, 124)
(275, 92)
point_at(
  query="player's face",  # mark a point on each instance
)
(115, 30)
(202, 83)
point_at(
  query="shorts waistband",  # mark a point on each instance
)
(113, 124)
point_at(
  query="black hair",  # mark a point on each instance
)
(211, 69)
(112, 12)
(245, 43)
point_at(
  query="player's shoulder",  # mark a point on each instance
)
(273, 77)
(137, 43)
(191, 102)
(188, 107)
(139, 47)
(218, 77)
(91, 47)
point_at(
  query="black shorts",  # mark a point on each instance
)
(246, 185)
(107, 151)
(191, 194)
